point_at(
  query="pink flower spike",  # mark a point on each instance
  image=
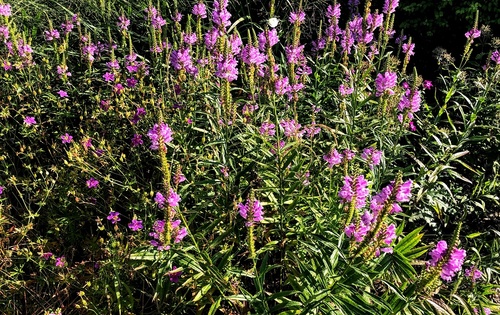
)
(173, 198)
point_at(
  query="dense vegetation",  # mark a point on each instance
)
(214, 158)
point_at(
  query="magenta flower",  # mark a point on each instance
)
(220, 14)
(495, 56)
(454, 264)
(390, 6)
(404, 192)
(251, 211)
(295, 54)
(137, 140)
(157, 21)
(62, 93)
(160, 134)
(378, 201)
(282, 86)
(67, 27)
(333, 11)
(345, 90)
(118, 88)
(92, 183)
(408, 49)
(47, 255)
(160, 199)
(1, 190)
(179, 178)
(473, 33)
(174, 276)
(114, 217)
(428, 84)
(348, 154)
(173, 198)
(385, 83)
(131, 82)
(29, 120)
(227, 69)
(108, 76)
(211, 37)
(62, 71)
(190, 38)
(5, 9)
(135, 225)
(333, 158)
(291, 128)
(438, 253)
(297, 17)
(268, 38)
(486, 310)
(473, 273)
(390, 234)
(267, 129)
(51, 35)
(252, 56)
(311, 130)
(123, 23)
(60, 261)
(66, 138)
(371, 156)
(200, 10)
(354, 188)
(178, 233)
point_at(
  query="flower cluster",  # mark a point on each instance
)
(354, 188)
(473, 273)
(251, 211)
(473, 34)
(449, 261)
(409, 104)
(372, 156)
(385, 83)
(159, 231)
(172, 199)
(388, 199)
(160, 134)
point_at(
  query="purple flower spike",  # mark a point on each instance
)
(251, 211)
(200, 10)
(173, 198)
(385, 83)
(160, 133)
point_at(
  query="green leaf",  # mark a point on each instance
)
(409, 241)
(214, 307)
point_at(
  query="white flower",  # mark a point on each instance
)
(272, 22)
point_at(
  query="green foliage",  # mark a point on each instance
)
(343, 230)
